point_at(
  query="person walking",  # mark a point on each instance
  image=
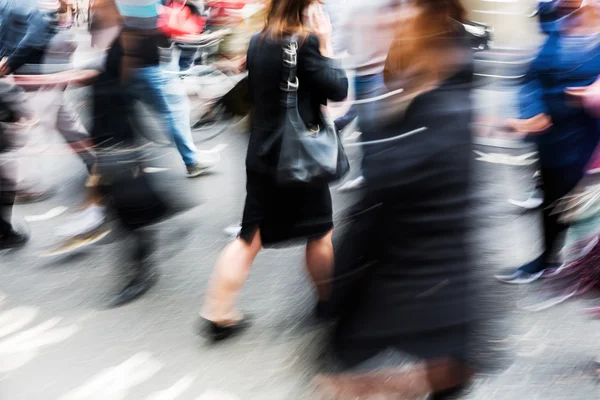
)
(403, 273)
(367, 36)
(15, 116)
(141, 40)
(565, 134)
(274, 213)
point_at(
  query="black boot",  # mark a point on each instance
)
(12, 239)
(144, 276)
(216, 333)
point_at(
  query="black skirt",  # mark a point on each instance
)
(284, 213)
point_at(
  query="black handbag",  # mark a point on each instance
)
(237, 100)
(307, 154)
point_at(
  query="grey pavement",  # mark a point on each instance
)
(59, 341)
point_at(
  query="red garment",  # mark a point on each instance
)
(177, 20)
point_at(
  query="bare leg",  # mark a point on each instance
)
(229, 276)
(319, 262)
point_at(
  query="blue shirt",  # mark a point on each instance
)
(563, 62)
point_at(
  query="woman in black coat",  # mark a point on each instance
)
(273, 213)
(402, 271)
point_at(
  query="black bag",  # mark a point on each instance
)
(129, 191)
(237, 100)
(308, 155)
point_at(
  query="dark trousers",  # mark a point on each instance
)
(557, 182)
(7, 199)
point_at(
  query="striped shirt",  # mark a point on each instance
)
(139, 14)
(48, 5)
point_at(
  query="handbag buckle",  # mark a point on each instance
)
(290, 57)
(290, 54)
(288, 86)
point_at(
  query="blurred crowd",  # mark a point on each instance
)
(306, 73)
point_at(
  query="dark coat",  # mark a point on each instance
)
(320, 80)
(402, 270)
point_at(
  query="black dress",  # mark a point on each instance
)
(284, 213)
(402, 270)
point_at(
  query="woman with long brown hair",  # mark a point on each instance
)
(275, 213)
(402, 279)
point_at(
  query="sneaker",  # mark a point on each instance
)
(353, 184)
(519, 277)
(195, 170)
(207, 162)
(13, 239)
(76, 243)
(84, 222)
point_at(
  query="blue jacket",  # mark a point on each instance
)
(25, 32)
(574, 133)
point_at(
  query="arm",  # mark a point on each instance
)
(39, 34)
(534, 116)
(325, 74)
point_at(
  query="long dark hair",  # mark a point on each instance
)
(426, 47)
(285, 17)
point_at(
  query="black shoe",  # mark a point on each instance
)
(143, 281)
(13, 239)
(322, 311)
(449, 394)
(217, 333)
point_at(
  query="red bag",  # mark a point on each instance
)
(177, 20)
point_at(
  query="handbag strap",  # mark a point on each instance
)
(289, 84)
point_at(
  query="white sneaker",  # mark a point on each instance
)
(83, 222)
(208, 159)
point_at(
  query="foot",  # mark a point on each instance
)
(321, 311)
(449, 394)
(84, 222)
(77, 243)
(201, 167)
(13, 239)
(218, 332)
(25, 196)
(520, 277)
(143, 281)
(353, 184)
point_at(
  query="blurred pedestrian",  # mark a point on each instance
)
(186, 54)
(274, 213)
(402, 279)
(25, 33)
(368, 34)
(15, 116)
(148, 82)
(564, 132)
(105, 23)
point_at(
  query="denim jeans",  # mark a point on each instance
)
(166, 96)
(364, 87)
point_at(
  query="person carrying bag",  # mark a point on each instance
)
(292, 157)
